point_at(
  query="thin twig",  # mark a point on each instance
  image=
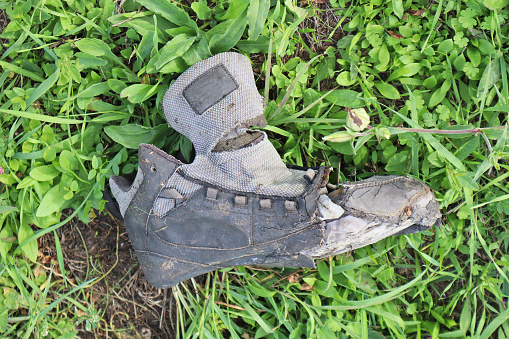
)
(442, 131)
(123, 22)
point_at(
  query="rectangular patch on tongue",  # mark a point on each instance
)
(209, 88)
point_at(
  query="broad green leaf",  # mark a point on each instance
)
(43, 87)
(465, 179)
(94, 47)
(388, 91)
(398, 162)
(397, 7)
(486, 47)
(339, 136)
(132, 135)
(68, 161)
(323, 288)
(439, 95)
(345, 148)
(170, 12)
(496, 4)
(5, 246)
(95, 162)
(256, 16)
(467, 148)
(361, 155)
(374, 334)
(490, 77)
(30, 249)
(177, 65)
(7, 209)
(116, 85)
(224, 41)
(459, 63)
(52, 201)
(201, 9)
(446, 46)
(345, 79)
(26, 182)
(474, 55)
(44, 173)
(146, 45)
(483, 167)
(298, 11)
(93, 90)
(430, 82)
(97, 48)
(260, 291)
(175, 48)
(436, 98)
(346, 98)
(407, 71)
(254, 46)
(197, 52)
(91, 61)
(8, 179)
(139, 92)
(384, 57)
(146, 26)
(235, 9)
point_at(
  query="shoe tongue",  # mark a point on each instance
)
(213, 98)
(256, 168)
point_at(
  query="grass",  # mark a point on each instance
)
(82, 84)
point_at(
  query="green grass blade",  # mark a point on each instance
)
(43, 87)
(395, 293)
(42, 117)
(21, 71)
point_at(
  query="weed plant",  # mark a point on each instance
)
(82, 83)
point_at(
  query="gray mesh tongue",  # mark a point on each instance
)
(212, 98)
(256, 169)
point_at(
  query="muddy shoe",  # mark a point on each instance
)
(237, 203)
(181, 227)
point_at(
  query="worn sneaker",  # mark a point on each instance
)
(237, 203)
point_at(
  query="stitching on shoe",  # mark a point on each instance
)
(349, 184)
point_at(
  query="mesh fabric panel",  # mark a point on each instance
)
(256, 169)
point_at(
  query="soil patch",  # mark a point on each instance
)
(4, 20)
(130, 307)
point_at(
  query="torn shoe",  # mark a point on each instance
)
(237, 203)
